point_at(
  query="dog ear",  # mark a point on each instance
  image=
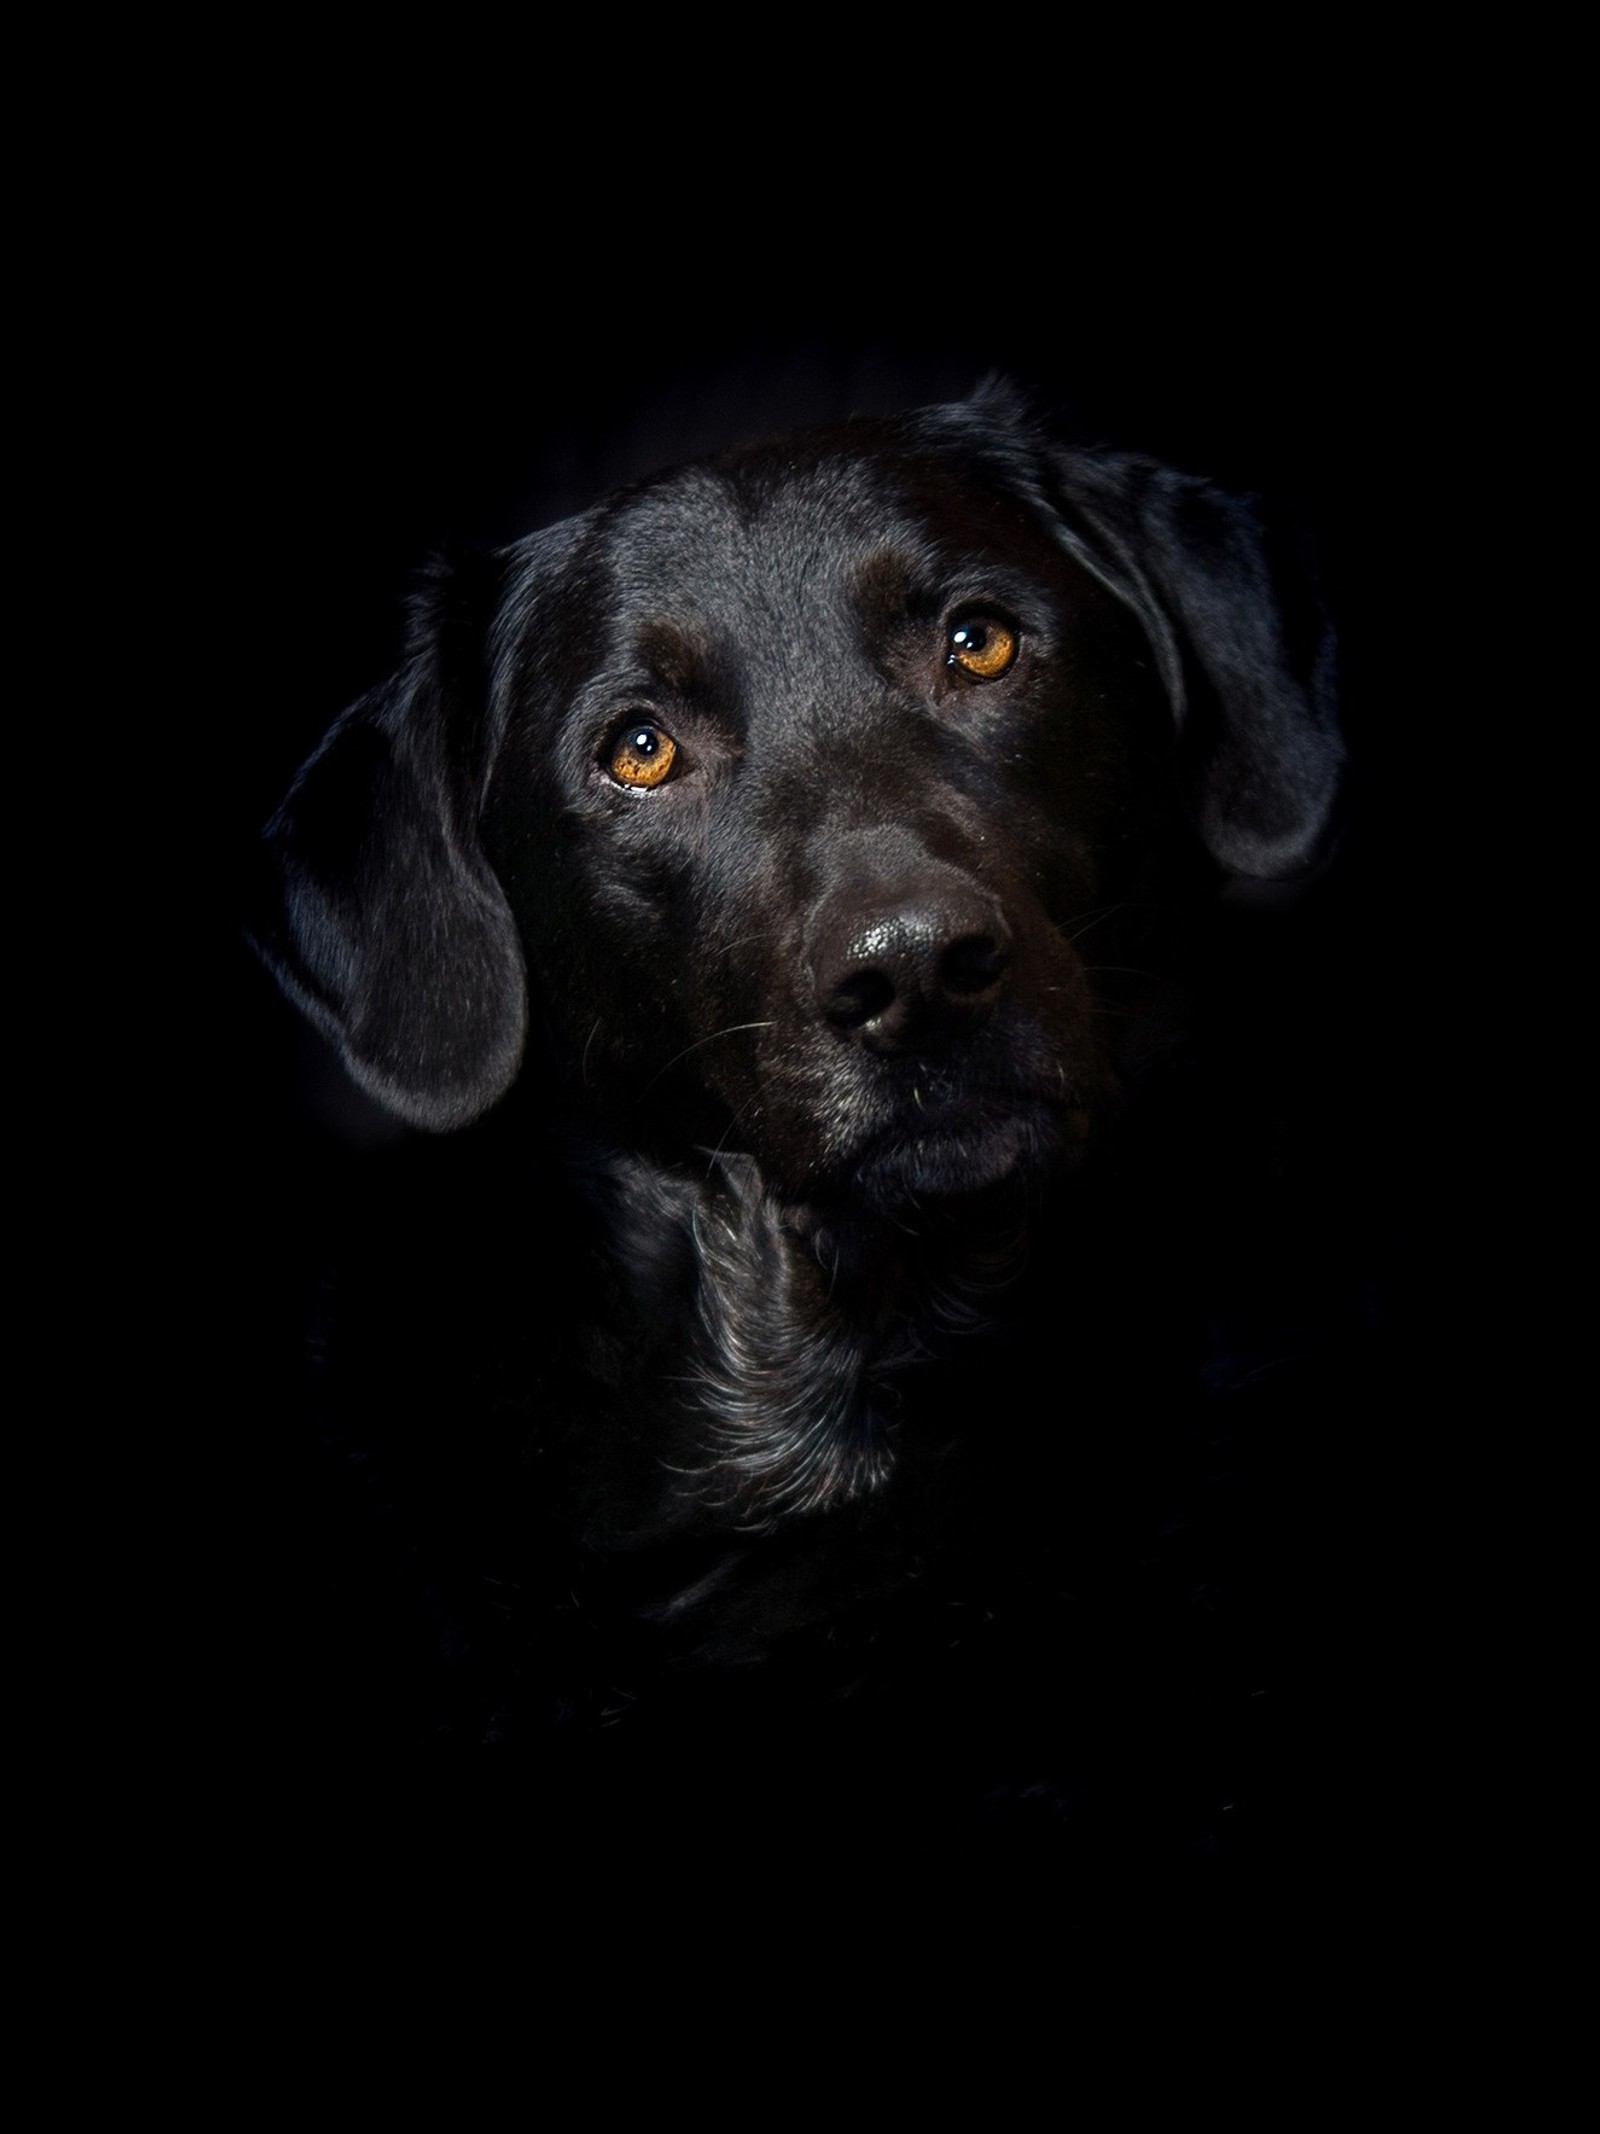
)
(389, 929)
(1244, 647)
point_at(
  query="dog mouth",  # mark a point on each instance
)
(945, 1146)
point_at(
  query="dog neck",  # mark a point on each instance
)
(784, 1332)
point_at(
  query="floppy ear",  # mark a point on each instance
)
(1245, 650)
(391, 931)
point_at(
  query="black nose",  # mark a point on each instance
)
(913, 971)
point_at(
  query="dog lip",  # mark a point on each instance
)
(962, 1143)
(936, 1107)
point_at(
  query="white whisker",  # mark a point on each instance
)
(728, 1030)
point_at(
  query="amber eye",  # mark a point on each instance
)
(981, 645)
(642, 754)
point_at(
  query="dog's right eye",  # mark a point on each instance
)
(642, 754)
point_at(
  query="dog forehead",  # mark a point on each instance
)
(779, 533)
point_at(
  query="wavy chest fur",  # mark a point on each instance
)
(768, 1353)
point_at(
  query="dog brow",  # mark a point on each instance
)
(886, 583)
(677, 655)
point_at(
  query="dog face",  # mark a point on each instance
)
(813, 803)
(841, 758)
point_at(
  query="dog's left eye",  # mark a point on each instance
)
(983, 646)
(642, 754)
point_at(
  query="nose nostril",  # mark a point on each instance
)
(971, 966)
(858, 999)
(921, 971)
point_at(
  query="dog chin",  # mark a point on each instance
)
(966, 1153)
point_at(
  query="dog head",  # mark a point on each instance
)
(793, 803)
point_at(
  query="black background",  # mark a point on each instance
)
(394, 356)
(402, 357)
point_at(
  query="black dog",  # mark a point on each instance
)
(801, 865)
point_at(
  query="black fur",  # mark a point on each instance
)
(860, 1116)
